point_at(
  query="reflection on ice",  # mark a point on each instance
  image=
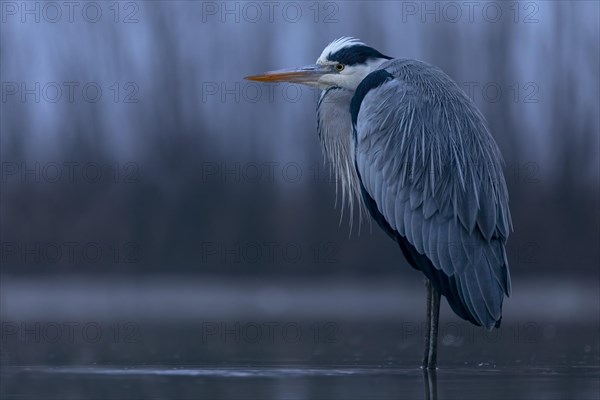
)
(231, 372)
(298, 371)
(297, 382)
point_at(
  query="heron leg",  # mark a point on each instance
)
(428, 327)
(431, 332)
(430, 382)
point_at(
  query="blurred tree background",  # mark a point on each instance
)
(205, 173)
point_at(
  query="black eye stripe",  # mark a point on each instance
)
(356, 55)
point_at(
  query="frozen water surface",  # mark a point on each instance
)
(297, 382)
(205, 341)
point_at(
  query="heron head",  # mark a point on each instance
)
(344, 63)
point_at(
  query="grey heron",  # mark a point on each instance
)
(409, 146)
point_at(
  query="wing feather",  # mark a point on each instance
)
(432, 169)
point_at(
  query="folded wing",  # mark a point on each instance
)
(431, 175)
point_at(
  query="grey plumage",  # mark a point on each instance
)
(338, 148)
(431, 174)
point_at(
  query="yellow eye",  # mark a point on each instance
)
(339, 67)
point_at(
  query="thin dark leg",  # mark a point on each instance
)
(430, 382)
(434, 324)
(428, 324)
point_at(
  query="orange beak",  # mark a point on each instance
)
(306, 75)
